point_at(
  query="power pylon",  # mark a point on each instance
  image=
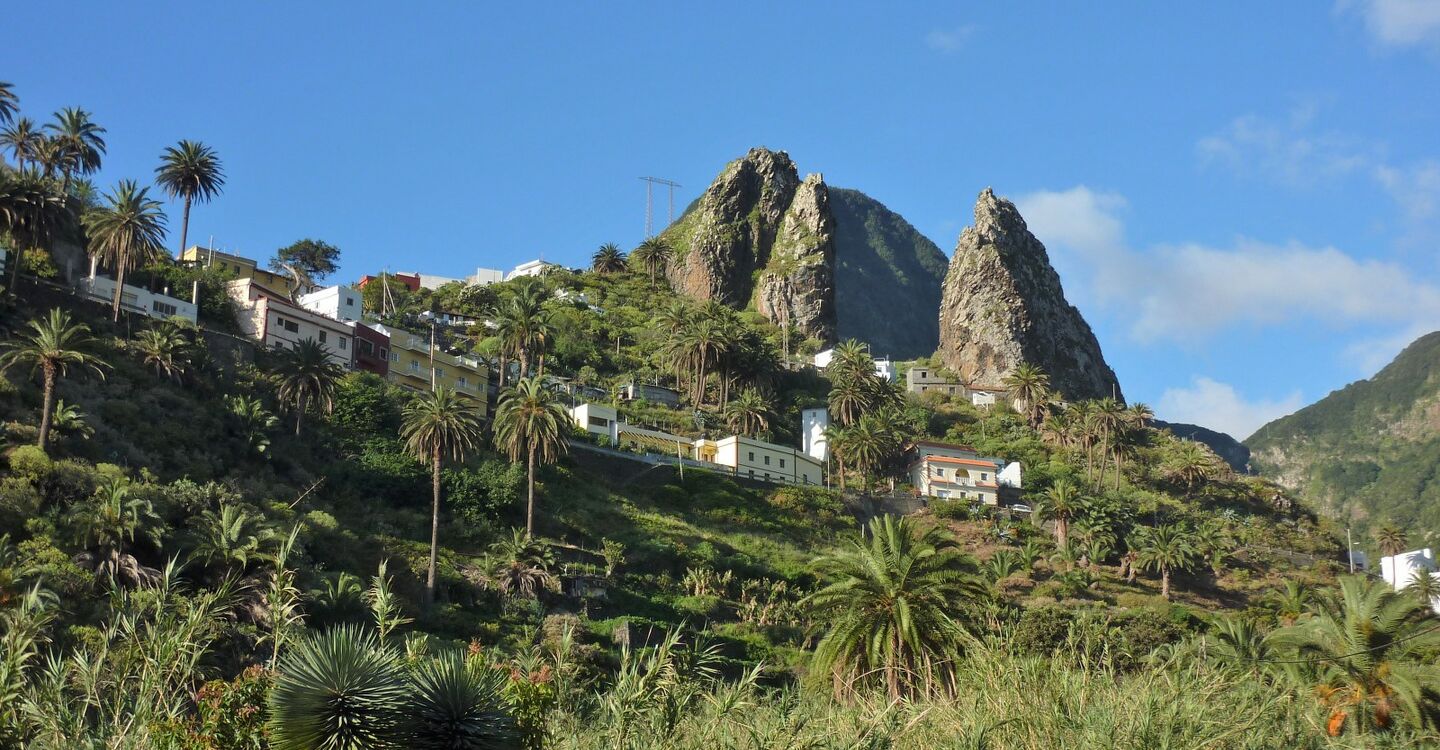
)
(650, 183)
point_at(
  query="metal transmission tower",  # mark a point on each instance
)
(650, 183)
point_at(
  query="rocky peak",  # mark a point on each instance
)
(760, 236)
(1002, 305)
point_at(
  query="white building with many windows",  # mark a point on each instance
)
(276, 322)
(138, 299)
(757, 459)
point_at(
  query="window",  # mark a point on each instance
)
(462, 381)
(598, 422)
(392, 356)
(415, 366)
(349, 301)
(752, 456)
(750, 473)
(288, 325)
(439, 374)
(984, 477)
(164, 308)
(367, 347)
(341, 342)
(782, 463)
(767, 460)
(322, 337)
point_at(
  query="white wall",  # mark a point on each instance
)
(138, 300)
(486, 276)
(338, 302)
(812, 427)
(1400, 569)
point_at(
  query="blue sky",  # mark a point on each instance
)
(1243, 198)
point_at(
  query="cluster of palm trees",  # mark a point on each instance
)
(44, 198)
(705, 342)
(866, 434)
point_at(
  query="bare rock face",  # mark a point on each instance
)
(1002, 305)
(759, 235)
(797, 287)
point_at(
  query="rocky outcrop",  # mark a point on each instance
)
(759, 236)
(797, 286)
(887, 278)
(1002, 304)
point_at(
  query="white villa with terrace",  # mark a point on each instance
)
(957, 472)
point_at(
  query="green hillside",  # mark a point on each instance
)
(1370, 451)
(887, 278)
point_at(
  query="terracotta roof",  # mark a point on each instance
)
(965, 461)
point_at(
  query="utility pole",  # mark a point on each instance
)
(1350, 549)
(650, 183)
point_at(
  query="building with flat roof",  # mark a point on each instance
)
(756, 459)
(241, 267)
(410, 357)
(339, 302)
(530, 268)
(271, 319)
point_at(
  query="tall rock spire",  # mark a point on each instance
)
(1002, 305)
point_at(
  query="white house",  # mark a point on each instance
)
(530, 268)
(954, 472)
(276, 322)
(884, 367)
(136, 299)
(1401, 570)
(338, 302)
(597, 419)
(757, 459)
(812, 433)
(485, 277)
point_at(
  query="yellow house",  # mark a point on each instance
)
(410, 367)
(243, 268)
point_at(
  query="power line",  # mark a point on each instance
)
(1410, 637)
(650, 183)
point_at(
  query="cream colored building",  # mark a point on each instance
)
(410, 357)
(271, 319)
(242, 267)
(757, 459)
(955, 472)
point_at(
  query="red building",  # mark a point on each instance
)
(372, 350)
(411, 281)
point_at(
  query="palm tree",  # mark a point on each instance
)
(127, 233)
(1109, 418)
(1212, 544)
(9, 101)
(166, 349)
(608, 259)
(231, 537)
(869, 443)
(307, 378)
(109, 522)
(654, 255)
(850, 360)
(53, 345)
(1029, 386)
(1238, 643)
(892, 603)
(530, 423)
(1425, 587)
(1062, 501)
(848, 400)
(189, 170)
(523, 326)
(23, 139)
(1165, 548)
(79, 141)
(338, 689)
(255, 422)
(1367, 652)
(49, 154)
(33, 212)
(439, 424)
(1191, 464)
(1291, 602)
(1392, 539)
(749, 414)
(523, 564)
(68, 421)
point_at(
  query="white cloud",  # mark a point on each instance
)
(1218, 406)
(1188, 293)
(1288, 151)
(1398, 23)
(949, 41)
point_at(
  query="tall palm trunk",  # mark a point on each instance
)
(1165, 583)
(122, 259)
(530, 494)
(434, 526)
(1062, 531)
(299, 414)
(185, 225)
(47, 405)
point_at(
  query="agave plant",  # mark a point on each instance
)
(457, 706)
(339, 690)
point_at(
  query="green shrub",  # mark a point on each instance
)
(31, 462)
(1041, 630)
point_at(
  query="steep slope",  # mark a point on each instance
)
(760, 236)
(887, 278)
(1003, 305)
(1233, 451)
(1369, 451)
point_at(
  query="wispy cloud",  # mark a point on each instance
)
(1397, 23)
(1219, 406)
(1295, 152)
(951, 40)
(1188, 293)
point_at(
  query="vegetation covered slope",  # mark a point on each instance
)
(887, 278)
(1369, 452)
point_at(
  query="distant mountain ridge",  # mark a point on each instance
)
(1226, 447)
(1369, 451)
